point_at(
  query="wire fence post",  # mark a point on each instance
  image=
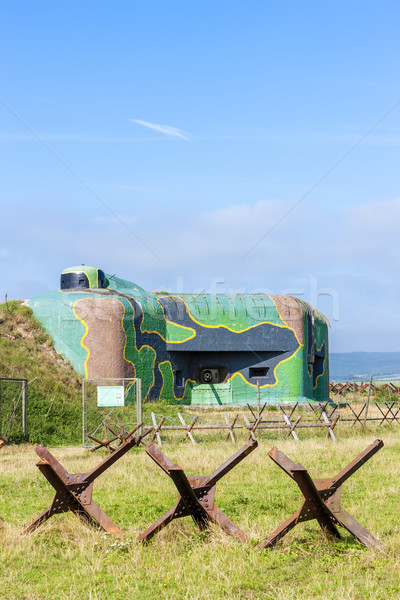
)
(367, 405)
(25, 409)
(139, 407)
(14, 423)
(83, 414)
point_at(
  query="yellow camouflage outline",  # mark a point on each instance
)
(87, 329)
(144, 345)
(182, 327)
(126, 337)
(188, 380)
(285, 326)
(275, 375)
(167, 321)
(282, 319)
(84, 335)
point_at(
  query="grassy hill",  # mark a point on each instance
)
(54, 390)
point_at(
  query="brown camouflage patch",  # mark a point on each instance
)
(105, 338)
(292, 313)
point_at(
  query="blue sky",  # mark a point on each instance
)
(220, 146)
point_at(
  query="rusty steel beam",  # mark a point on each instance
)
(196, 494)
(321, 499)
(74, 491)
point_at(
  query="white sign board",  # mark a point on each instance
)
(110, 395)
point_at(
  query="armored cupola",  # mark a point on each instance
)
(83, 276)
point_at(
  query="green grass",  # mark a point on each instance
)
(54, 389)
(66, 559)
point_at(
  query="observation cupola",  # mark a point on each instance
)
(83, 277)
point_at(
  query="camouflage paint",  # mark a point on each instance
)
(125, 331)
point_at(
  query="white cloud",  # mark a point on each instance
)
(379, 217)
(351, 251)
(166, 129)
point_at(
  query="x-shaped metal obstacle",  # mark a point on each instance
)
(74, 491)
(122, 437)
(196, 494)
(321, 499)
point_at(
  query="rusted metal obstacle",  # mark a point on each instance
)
(196, 494)
(74, 491)
(322, 420)
(258, 426)
(122, 437)
(321, 499)
(350, 386)
(261, 424)
(383, 412)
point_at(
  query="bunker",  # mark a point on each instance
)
(193, 349)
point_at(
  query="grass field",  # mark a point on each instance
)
(66, 559)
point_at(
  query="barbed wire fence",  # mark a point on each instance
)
(197, 424)
(116, 402)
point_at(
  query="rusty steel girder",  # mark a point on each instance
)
(196, 494)
(321, 499)
(74, 491)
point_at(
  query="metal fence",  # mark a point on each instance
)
(297, 421)
(118, 402)
(285, 420)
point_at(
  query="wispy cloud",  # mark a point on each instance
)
(74, 173)
(166, 129)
